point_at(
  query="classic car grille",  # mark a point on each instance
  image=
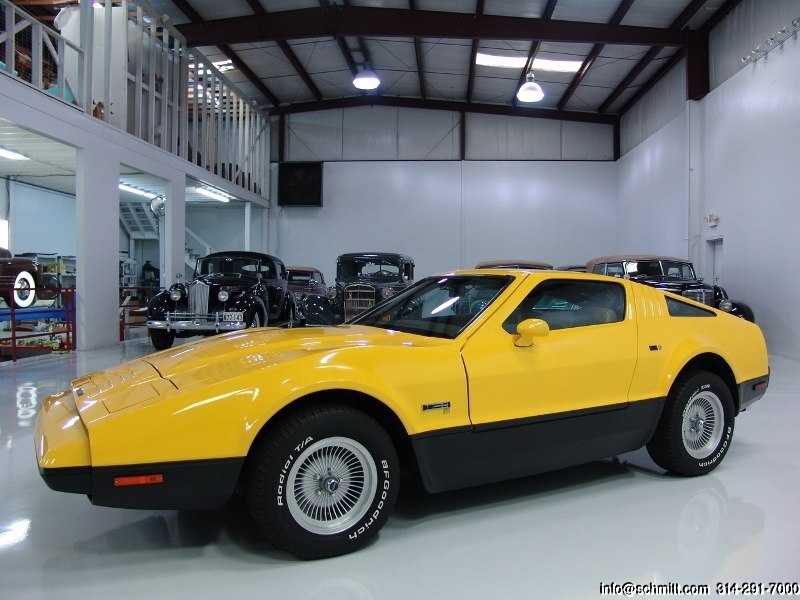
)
(198, 298)
(358, 298)
(703, 295)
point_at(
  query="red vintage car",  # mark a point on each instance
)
(22, 280)
(306, 280)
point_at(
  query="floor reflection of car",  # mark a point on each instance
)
(229, 291)
(314, 425)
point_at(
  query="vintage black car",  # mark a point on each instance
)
(676, 275)
(229, 291)
(362, 280)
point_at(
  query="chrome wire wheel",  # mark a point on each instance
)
(331, 485)
(702, 425)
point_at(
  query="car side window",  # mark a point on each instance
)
(676, 308)
(564, 303)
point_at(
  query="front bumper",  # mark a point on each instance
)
(64, 456)
(200, 323)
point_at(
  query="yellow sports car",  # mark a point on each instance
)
(465, 378)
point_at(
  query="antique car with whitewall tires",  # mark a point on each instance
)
(312, 426)
(676, 275)
(23, 281)
(230, 291)
(363, 279)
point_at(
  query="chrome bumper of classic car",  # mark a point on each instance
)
(701, 295)
(217, 322)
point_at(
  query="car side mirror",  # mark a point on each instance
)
(530, 329)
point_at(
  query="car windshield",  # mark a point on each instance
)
(233, 266)
(369, 268)
(436, 306)
(681, 270)
(300, 276)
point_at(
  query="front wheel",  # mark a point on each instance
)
(161, 338)
(696, 427)
(254, 320)
(322, 482)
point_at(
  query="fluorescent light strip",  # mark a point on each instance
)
(214, 195)
(138, 192)
(518, 62)
(11, 155)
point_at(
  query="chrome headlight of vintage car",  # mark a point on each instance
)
(387, 293)
(175, 294)
(331, 293)
(223, 295)
(726, 305)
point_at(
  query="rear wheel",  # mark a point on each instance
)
(24, 290)
(323, 482)
(161, 338)
(696, 427)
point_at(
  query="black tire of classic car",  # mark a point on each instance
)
(24, 290)
(254, 320)
(696, 426)
(161, 338)
(322, 482)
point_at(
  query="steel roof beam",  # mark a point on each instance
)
(643, 63)
(191, 13)
(389, 22)
(474, 107)
(549, 9)
(473, 54)
(594, 53)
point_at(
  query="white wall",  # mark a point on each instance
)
(41, 221)
(453, 214)
(372, 133)
(652, 191)
(746, 136)
(752, 132)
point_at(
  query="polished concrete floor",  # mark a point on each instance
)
(553, 536)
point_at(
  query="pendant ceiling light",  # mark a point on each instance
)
(366, 79)
(530, 91)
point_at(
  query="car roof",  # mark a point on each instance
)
(303, 269)
(631, 257)
(377, 255)
(243, 254)
(513, 264)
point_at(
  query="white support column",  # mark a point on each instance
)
(173, 234)
(97, 248)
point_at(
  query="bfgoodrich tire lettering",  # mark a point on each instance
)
(322, 482)
(696, 427)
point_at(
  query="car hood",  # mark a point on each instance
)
(207, 362)
(226, 280)
(261, 348)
